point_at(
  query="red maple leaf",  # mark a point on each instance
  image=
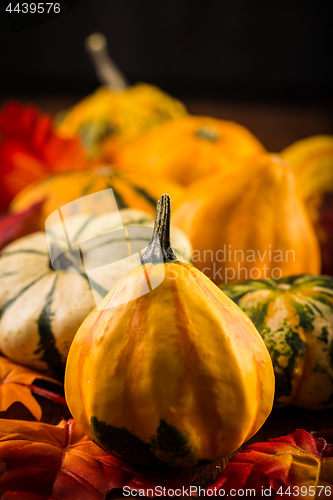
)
(282, 466)
(30, 149)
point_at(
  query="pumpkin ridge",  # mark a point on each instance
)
(191, 367)
(135, 336)
(258, 386)
(47, 344)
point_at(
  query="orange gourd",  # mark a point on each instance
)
(168, 369)
(130, 190)
(188, 148)
(251, 224)
(312, 162)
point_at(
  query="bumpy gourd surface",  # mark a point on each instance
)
(295, 319)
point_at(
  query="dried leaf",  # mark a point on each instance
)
(16, 384)
(45, 462)
(31, 149)
(293, 461)
(13, 226)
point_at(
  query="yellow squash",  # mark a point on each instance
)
(312, 162)
(168, 369)
(109, 119)
(250, 224)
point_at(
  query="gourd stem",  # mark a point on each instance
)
(106, 70)
(159, 249)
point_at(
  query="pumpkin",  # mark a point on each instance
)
(130, 190)
(174, 373)
(312, 161)
(41, 306)
(294, 316)
(188, 148)
(250, 224)
(109, 119)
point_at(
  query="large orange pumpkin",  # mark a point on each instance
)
(251, 224)
(130, 190)
(188, 148)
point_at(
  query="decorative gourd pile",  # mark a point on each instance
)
(42, 304)
(174, 373)
(295, 318)
(167, 368)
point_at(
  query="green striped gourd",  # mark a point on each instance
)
(41, 307)
(295, 319)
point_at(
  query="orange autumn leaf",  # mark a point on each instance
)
(297, 465)
(46, 462)
(30, 149)
(16, 385)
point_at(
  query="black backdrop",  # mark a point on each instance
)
(221, 49)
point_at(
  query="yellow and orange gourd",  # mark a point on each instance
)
(130, 190)
(312, 162)
(188, 148)
(250, 224)
(109, 119)
(174, 374)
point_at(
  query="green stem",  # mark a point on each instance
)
(160, 247)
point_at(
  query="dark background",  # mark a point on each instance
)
(221, 49)
(264, 64)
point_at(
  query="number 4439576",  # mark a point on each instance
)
(34, 8)
(306, 491)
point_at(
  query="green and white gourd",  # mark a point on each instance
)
(42, 307)
(294, 316)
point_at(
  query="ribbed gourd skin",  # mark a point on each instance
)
(295, 318)
(178, 376)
